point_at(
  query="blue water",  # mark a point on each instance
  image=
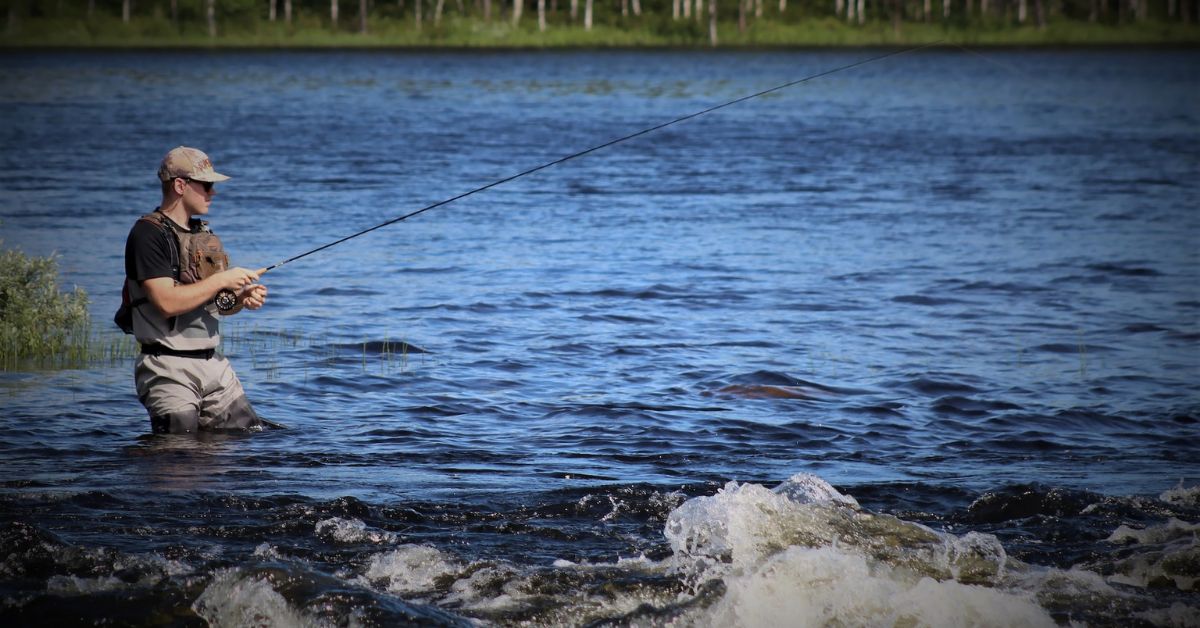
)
(939, 281)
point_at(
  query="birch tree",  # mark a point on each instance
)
(437, 11)
(575, 10)
(542, 15)
(587, 15)
(212, 17)
(862, 11)
(333, 13)
(675, 9)
(516, 13)
(712, 22)
(270, 10)
(946, 9)
(125, 9)
(637, 8)
(782, 6)
(287, 12)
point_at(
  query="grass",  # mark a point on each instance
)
(308, 31)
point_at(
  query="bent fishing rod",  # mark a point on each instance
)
(228, 297)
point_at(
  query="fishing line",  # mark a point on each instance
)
(230, 297)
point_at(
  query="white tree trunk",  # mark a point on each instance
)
(487, 10)
(758, 8)
(698, 12)
(851, 10)
(862, 11)
(926, 9)
(712, 22)
(687, 9)
(125, 9)
(518, 5)
(983, 8)
(287, 12)
(838, 7)
(212, 18)
(333, 13)
(542, 15)
(417, 10)
(945, 9)
(624, 8)
(437, 11)
(674, 9)
(1022, 9)
(270, 9)
(637, 7)
(575, 10)
(587, 15)
(782, 6)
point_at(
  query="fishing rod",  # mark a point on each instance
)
(226, 299)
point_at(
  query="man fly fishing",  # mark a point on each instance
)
(177, 282)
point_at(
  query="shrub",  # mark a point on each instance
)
(36, 320)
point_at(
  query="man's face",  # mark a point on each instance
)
(197, 196)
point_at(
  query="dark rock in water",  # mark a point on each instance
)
(1027, 500)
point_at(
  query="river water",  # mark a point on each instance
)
(914, 343)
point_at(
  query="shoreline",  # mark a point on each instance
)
(468, 35)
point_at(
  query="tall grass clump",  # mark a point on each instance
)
(38, 323)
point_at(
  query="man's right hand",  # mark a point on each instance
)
(237, 278)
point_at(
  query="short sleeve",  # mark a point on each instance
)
(148, 253)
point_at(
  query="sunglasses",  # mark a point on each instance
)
(208, 185)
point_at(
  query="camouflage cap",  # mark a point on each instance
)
(188, 163)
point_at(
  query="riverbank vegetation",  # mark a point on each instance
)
(37, 321)
(592, 23)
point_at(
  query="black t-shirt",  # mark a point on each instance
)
(149, 252)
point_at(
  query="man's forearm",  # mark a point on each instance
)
(174, 299)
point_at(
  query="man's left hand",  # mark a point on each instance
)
(254, 297)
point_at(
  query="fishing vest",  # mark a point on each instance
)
(196, 254)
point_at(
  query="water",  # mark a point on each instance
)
(961, 289)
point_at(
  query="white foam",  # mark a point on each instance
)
(1182, 496)
(352, 531)
(805, 554)
(822, 586)
(1172, 530)
(806, 488)
(73, 585)
(411, 569)
(235, 601)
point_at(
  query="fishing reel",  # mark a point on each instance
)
(226, 300)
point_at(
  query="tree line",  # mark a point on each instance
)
(701, 15)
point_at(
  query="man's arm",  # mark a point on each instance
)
(173, 300)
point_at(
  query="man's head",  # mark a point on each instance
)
(187, 177)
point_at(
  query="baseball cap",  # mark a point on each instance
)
(188, 163)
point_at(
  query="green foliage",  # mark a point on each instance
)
(36, 320)
(392, 23)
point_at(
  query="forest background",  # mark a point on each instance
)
(594, 23)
